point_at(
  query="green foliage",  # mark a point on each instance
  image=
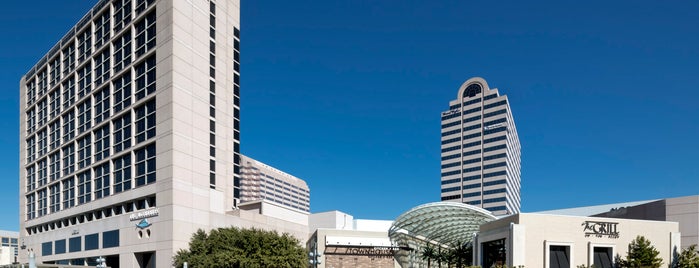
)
(428, 253)
(689, 258)
(641, 254)
(233, 247)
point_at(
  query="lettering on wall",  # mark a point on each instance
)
(600, 229)
(144, 214)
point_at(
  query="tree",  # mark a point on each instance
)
(233, 247)
(428, 253)
(641, 254)
(689, 258)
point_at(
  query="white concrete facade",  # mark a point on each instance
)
(532, 239)
(343, 241)
(480, 151)
(130, 136)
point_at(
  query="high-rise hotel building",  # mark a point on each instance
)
(480, 150)
(130, 134)
(263, 182)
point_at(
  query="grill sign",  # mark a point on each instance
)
(600, 229)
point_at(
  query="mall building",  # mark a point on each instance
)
(130, 136)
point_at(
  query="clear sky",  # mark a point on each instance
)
(347, 95)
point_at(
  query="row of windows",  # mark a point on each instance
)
(490, 183)
(118, 96)
(498, 208)
(494, 130)
(116, 136)
(495, 113)
(117, 177)
(115, 210)
(212, 94)
(472, 194)
(451, 189)
(501, 164)
(467, 178)
(110, 239)
(494, 174)
(121, 47)
(493, 200)
(450, 116)
(495, 104)
(450, 197)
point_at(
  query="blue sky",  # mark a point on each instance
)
(347, 95)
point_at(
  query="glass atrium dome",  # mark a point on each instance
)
(442, 224)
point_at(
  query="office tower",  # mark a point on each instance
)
(130, 133)
(263, 182)
(480, 150)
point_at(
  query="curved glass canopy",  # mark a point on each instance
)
(443, 223)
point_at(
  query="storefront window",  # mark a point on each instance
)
(494, 253)
(602, 257)
(559, 257)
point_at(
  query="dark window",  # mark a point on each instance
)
(46, 249)
(110, 239)
(603, 257)
(558, 257)
(145, 165)
(75, 244)
(60, 246)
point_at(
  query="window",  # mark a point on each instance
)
(55, 74)
(55, 198)
(60, 246)
(55, 106)
(55, 136)
(31, 120)
(102, 67)
(102, 111)
(122, 92)
(84, 187)
(110, 239)
(68, 126)
(46, 249)
(122, 133)
(145, 34)
(145, 121)
(31, 178)
(42, 112)
(145, 78)
(558, 255)
(92, 241)
(42, 202)
(84, 116)
(42, 142)
(122, 51)
(54, 166)
(68, 59)
(75, 244)
(102, 181)
(102, 29)
(84, 151)
(68, 193)
(31, 206)
(85, 80)
(84, 44)
(122, 14)
(68, 159)
(31, 91)
(68, 93)
(145, 165)
(43, 83)
(42, 172)
(602, 257)
(102, 143)
(122, 173)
